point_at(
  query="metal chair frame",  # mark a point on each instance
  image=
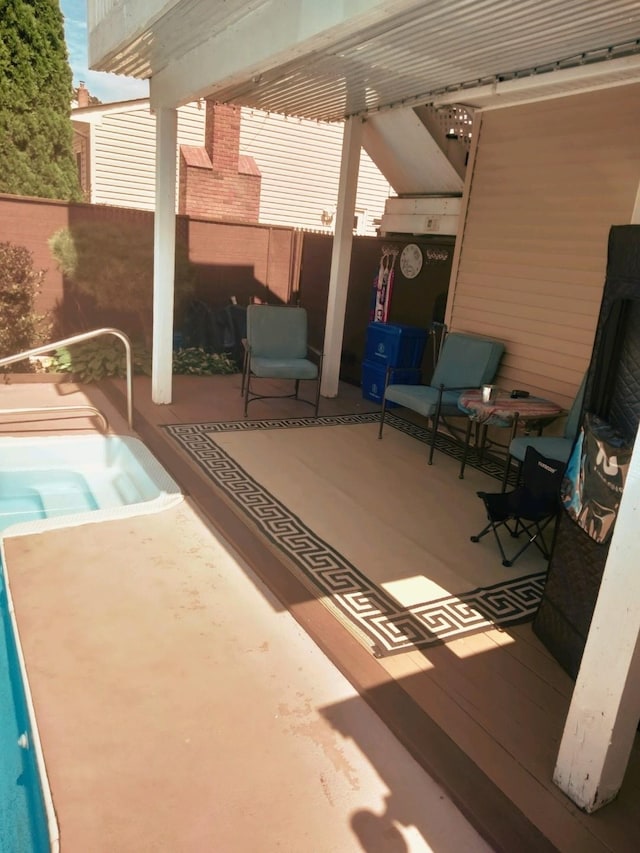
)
(250, 395)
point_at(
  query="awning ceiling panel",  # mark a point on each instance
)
(423, 49)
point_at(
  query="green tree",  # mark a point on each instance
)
(36, 134)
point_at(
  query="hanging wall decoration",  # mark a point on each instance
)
(383, 285)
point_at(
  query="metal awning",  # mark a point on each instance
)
(350, 58)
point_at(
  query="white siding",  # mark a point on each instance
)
(299, 161)
(549, 180)
(125, 155)
(300, 165)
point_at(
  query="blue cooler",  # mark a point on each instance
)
(395, 344)
(374, 376)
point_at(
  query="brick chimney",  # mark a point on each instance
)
(83, 95)
(215, 180)
(222, 136)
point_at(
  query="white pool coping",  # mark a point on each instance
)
(150, 487)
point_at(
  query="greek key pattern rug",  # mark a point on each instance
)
(377, 618)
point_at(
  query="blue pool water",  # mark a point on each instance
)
(23, 817)
(44, 483)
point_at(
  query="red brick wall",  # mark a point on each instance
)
(198, 196)
(230, 259)
(243, 261)
(31, 222)
(231, 197)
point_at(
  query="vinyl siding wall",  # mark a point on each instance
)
(299, 162)
(300, 165)
(549, 179)
(124, 146)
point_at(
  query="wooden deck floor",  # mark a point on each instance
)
(483, 714)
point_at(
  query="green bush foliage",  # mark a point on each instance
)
(36, 134)
(113, 264)
(105, 357)
(21, 328)
(100, 358)
(195, 361)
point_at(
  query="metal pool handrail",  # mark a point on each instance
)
(34, 410)
(75, 339)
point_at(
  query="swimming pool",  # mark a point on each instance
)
(45, 483)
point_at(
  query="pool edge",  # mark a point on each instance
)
(170, 495)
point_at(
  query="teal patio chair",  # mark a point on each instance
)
(276, 348)
(465, 361)
(556, 447)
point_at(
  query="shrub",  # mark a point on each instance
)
(196, 361)
(94, 360)
(21, 328)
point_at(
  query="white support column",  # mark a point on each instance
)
(164, 250)
(341, 256)
(605, 707)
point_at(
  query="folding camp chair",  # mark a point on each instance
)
(529, 508)
(553, 447)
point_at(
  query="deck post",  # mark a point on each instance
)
(605, 707)
(164, 245)
(341, 255)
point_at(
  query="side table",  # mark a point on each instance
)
(503, 411)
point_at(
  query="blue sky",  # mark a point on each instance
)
(106, 87)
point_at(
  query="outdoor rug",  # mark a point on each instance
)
(377, 535)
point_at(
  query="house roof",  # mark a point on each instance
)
(339, 59)
(96, 112)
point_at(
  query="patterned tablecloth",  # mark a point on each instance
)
(505, 410)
